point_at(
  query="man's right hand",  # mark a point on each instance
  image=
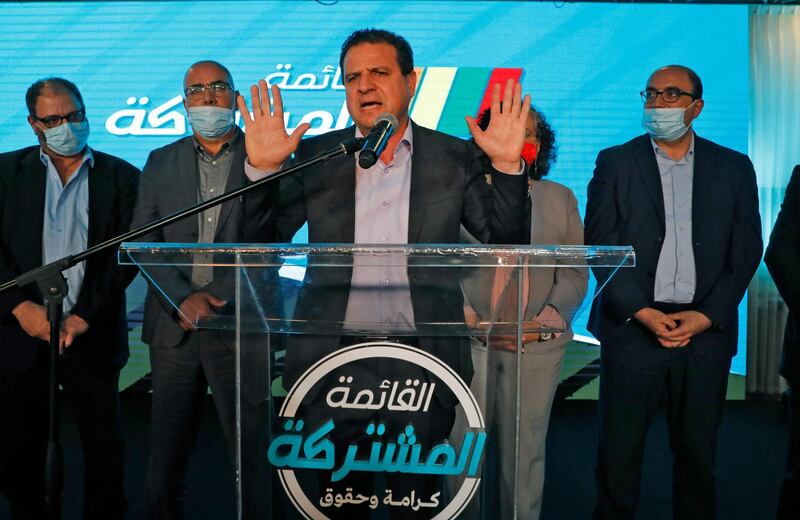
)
(265, 138)
(32, 317)
(659, 324)
(196, 305)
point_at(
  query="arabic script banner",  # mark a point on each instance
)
(584, 65)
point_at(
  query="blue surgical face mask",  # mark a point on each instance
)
(210, 121)
(67, 139)
(665, 124)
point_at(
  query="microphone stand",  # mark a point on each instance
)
(52, 286)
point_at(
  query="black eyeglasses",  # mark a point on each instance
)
(54, 121)
(216, 88)
(670, 95)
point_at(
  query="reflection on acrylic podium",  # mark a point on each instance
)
(356, 395)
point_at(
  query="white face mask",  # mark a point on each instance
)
(665, 124)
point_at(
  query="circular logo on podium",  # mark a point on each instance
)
(370, 427)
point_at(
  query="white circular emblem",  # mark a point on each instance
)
(374, 350)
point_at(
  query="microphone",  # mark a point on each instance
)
(375, 142)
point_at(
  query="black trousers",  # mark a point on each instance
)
(635, 380)
(93, 397)
(789, 503)
(181, 378)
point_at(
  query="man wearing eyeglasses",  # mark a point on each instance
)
(668, 327)
(56, 199)
(185, 362)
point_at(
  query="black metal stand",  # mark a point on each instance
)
(53, 288)
(54, 467)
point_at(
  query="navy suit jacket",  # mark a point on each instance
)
(783, 260)
(101, 302)
(625, 206)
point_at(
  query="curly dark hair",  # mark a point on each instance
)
(548, 153)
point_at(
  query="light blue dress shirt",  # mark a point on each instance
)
(676, 278)
(379, 294)
(66, 220)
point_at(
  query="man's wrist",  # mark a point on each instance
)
(509, 167)
(257, 172)
(20, 308)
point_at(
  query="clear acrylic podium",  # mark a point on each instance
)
(355, 368)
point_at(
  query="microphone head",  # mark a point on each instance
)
(386, 116)
(385, 125)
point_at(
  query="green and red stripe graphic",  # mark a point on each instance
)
(446, 94)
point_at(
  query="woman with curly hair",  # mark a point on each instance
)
(554, 295)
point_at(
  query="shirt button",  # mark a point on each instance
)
(384, 239)
(214, 163)
(386, 282)
(385, 202)
(209, 219)
(211, 190)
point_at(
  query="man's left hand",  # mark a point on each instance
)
(690, 324)
(265, 139)
(502, 141)
(72, 327)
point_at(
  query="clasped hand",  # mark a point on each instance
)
(197, 305)
(32, 317)
(676, 329)
(547, 320)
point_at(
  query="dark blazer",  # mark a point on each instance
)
(625, 206)
(101, 302)
(783, 260)
(169, 184)
(447, 189)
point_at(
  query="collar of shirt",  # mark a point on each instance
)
(88, 157)
(199, 150)
(662, 154)
(407, 143)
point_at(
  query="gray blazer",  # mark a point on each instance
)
(169, 183)
(554, 220)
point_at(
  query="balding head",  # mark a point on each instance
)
(203, 68)
(52, 85)
(690, 75)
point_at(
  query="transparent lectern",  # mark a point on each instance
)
(379, 381)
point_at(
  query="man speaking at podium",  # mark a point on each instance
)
(422, 187)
